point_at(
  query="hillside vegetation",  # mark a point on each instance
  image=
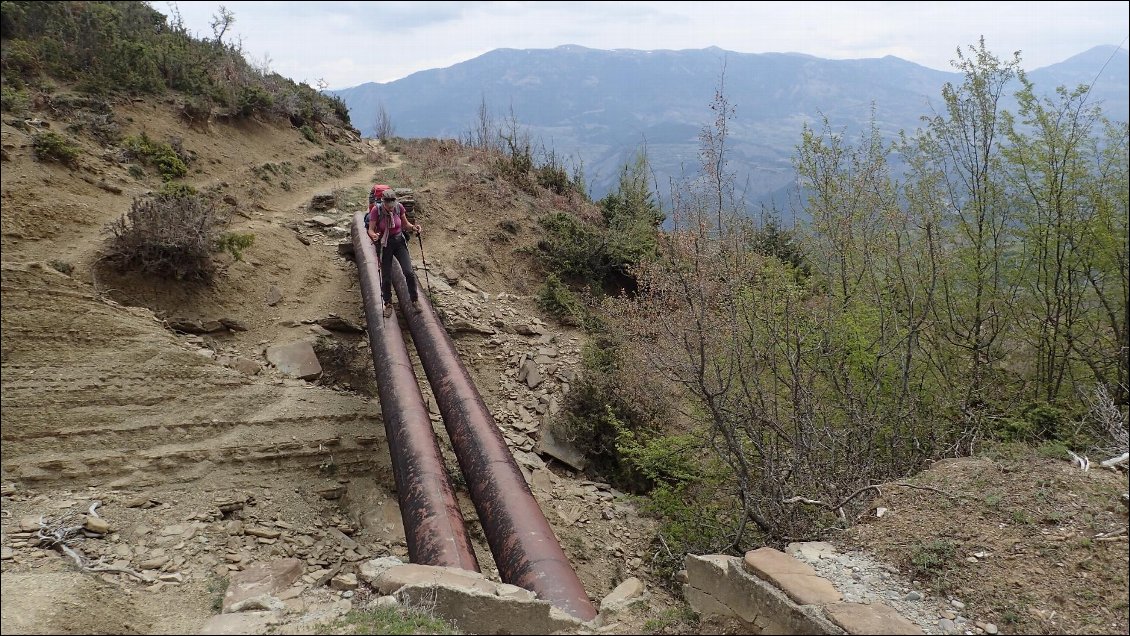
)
(129, 48)
(741, 382)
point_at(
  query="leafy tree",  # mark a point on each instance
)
(963, 144)
(631, 219)
(603, 253)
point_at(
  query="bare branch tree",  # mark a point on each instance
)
(484, 134)
(221, 22)
(383, 128)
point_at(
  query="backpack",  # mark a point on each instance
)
(375, 199)
(375, 196)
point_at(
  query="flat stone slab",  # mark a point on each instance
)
(548, 444)
(811, 550)
(877, 618)
(296, 359)
(394, 578)
(254, 587)
(471, 602)
(793, 577)
(242, 623)
(629, 592)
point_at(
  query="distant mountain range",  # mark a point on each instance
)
(601, 106)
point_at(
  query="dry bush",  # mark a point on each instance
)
(346, 365)
(376, 156)
(433, 155)
(169, 235)
(1107, 421)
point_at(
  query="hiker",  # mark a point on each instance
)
(386, 224)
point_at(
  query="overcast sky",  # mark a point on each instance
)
(350, 43)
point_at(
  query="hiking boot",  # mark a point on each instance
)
(416, 306)
(388, 311)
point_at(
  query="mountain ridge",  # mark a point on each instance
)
(598, 107)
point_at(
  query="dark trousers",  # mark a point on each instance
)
(397, 247)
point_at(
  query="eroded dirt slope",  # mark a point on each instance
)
(104, 403)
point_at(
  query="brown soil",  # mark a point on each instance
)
(103, 402)
(1031, 544)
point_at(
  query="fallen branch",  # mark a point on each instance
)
(82, 565)
(1115, 461)
(930, 488)
(838, 508)
(799, 499)
(1083, 463)
(1110, 536)
(665, 547)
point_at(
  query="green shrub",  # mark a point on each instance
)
(1053, 449)
(613, 423)
(62, 267)
(99, 126)
(49, 146)
(234, 244)
(268, 171)
(13, 100)
(336, 162)
(170, 165)
(661, 459)
(571, 248)
(695, 519)
(173, 190)
(129, 47)
(554, 178)
(308, 133)
(1036, 422)
(21, 58)
(253, 99)
(558, 300)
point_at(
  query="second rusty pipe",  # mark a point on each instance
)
(523, 544)
(433, 524)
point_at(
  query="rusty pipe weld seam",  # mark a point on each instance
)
(433, 523)
(523, 544)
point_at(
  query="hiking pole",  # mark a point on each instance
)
(380, 271)
(424, 261)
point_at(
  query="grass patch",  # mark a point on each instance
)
(388, 620)
(217, 588)
(931, 560)
(679, 620)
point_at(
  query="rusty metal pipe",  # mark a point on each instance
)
(433, 524)
(523, 544)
